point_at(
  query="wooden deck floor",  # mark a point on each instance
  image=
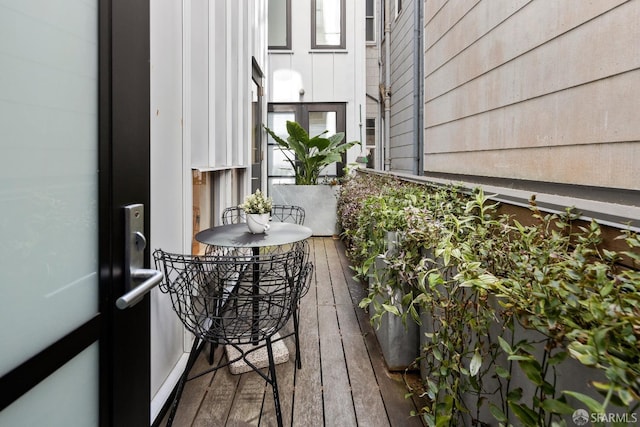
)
(343, 380)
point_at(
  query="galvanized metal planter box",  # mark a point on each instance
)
(400, 343)
(320, 203)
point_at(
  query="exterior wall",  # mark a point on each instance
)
(323, 75)
(201, 71)
(402, 67)
(221, 40)
(533, 90)
(169, 179)
(404, 140)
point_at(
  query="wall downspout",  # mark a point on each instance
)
(418, 108)
(387, 83)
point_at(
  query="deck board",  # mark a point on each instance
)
(343, 380)
(335, 379)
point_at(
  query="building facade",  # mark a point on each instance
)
(400, 59)
(208, 61)
(523, 97)
(316, 60)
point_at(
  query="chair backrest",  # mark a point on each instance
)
(233, 215)
(281, 213)
(288, 213)
(215, 297)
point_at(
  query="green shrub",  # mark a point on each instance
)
(477, 274)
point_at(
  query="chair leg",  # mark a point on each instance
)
(296, 321)
(183, 379)
(274, 383)
(212, 349)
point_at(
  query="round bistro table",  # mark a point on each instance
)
(239, 236)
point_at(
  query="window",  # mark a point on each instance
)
(370, 29)
(327, 24)
(371, 132)
(279, 16)
(370, 143)
(315, 118)
(398, 7)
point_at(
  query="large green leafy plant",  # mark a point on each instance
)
(309, 155)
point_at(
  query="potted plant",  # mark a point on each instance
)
(257, 208)
(308, 156)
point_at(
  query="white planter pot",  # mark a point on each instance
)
(258, 223)
(320, 203)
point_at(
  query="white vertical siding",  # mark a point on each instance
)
(534, 90)
(223, 37)
(200, 118)
(170, 181)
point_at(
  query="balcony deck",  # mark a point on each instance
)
(343, 380)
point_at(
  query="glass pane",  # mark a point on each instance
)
(278, 23)
(371, 133)
(328, 22)
(277, 122)
(69, 397)
(48, 173)
(369, 30)
(278, 164)
(369, 8)
(319, 121)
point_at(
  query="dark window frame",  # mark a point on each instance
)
(286, 46)
(343, 26)
(370, 17)
(301, 115)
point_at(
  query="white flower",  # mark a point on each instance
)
(257, 203)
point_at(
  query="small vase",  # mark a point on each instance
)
(258, 223)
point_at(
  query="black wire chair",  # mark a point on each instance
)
(301, 251)
(288, 213)
(233, 300)
(233, 215)
(306, 275)
(282, 213)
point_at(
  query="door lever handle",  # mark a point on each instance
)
(151, 279)
(135, 244)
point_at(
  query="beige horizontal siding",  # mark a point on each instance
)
(446, 17)
(600, 165)
(603, 111)
(472, 25)
(540, 90)
(511, 64)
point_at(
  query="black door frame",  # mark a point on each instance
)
(123, 176)
(125, 375)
